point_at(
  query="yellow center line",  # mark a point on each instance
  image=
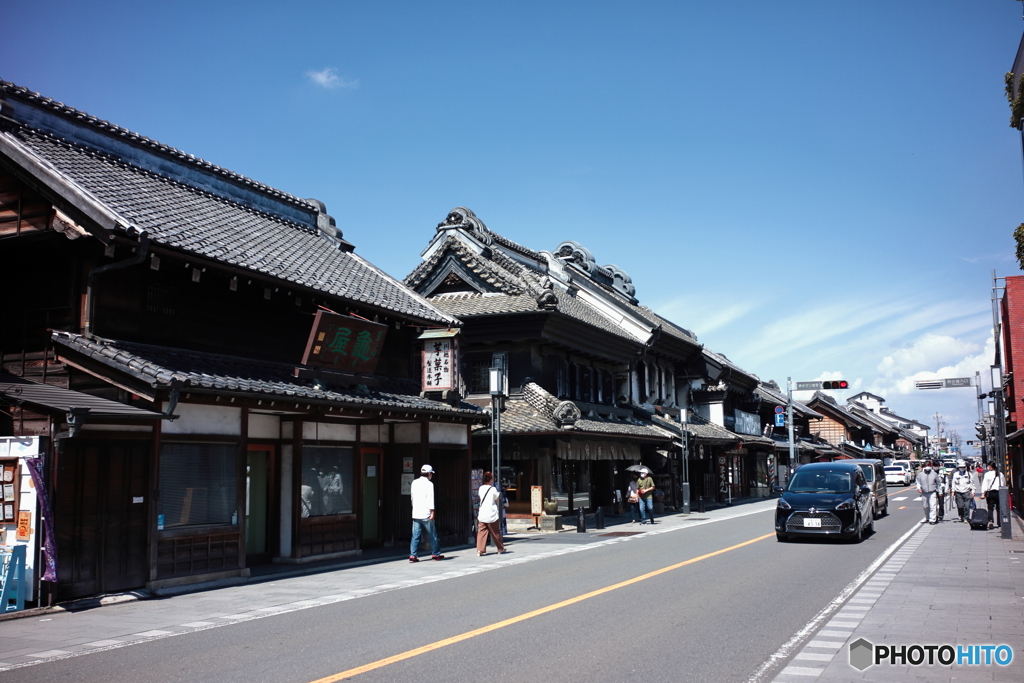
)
(408, 654)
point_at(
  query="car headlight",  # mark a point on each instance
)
(783, 505)
(847, 504)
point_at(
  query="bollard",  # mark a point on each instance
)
(1005, 528)
(700, 504)
(581, 521)
(599, 518)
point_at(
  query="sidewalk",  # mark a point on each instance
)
(63, 634)
(947, 585)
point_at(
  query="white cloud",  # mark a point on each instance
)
(328, 78)
(930, 351)
(703, 316)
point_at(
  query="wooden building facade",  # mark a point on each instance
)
(141, 275)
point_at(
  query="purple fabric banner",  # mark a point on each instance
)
(35, 468)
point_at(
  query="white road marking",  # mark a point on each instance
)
(783, 652)
(264, 612)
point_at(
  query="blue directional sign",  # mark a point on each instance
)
(780, 420)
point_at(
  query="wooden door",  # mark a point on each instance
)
(370, 470)
(101, 499)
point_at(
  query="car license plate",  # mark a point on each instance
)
(812, 522)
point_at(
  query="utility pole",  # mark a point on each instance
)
(789, 425)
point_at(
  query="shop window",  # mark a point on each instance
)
(586, 384)
(477, 373)
(198, 484)
(326, 481)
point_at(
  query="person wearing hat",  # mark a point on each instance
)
(963, 489)
(422, 495)
(927, 482)
(645, 489)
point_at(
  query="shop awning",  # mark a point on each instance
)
(47, 398)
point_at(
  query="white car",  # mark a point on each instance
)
(896, 474)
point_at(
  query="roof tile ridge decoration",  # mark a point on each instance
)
(464, 219)
(100, 154)
(542, 288)
(490, 272)
(564, 413)
(409, 291)
(8, 88)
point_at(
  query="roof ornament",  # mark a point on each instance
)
(546, 299)
(461, 217)
(566, 414)
(574, 252)
(621, 280)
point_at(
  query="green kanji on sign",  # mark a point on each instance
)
(341, 342)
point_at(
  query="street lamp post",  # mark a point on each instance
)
(497, 387)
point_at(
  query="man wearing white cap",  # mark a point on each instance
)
(422, 494)
(645, 489)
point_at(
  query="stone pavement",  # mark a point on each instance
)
(946, 585)
(62, 634)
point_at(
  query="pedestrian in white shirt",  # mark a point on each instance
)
(422, 494)
(487, 518)
(963, 489)
(990, 485)
(927, 481)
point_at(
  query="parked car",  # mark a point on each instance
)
(826, 499)
(874, 474)
(897, 474)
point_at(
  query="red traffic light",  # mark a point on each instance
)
(836, 384)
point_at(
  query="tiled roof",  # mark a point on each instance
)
(777, 398)
(82, 118)
(709, 432)
(667, 326)
(533, 413)
(220, 374)
(721, 359)
(182, 216)
(16, 389)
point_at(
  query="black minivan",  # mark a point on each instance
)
(825, 499)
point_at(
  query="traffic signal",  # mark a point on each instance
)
(980, 430)
(836, 384)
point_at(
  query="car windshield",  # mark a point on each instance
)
(820, 481)
(868, 470)
(895, 470)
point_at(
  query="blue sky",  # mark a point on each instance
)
(816, 189)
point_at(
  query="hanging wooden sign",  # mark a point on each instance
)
(340, 342)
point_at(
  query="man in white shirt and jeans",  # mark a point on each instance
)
(990, 485)
(422, 494)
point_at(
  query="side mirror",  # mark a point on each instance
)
(778, 489)
(865, 490)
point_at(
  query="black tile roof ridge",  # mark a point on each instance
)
(6, 87)
(69, 144)
(452, 320)
(472, 261)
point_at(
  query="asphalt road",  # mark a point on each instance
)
(707, 603)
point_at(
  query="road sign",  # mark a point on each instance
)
(808, 386)
(779, 410)
(948, 383)
(780, 420)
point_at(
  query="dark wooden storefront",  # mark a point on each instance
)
(101, 515)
